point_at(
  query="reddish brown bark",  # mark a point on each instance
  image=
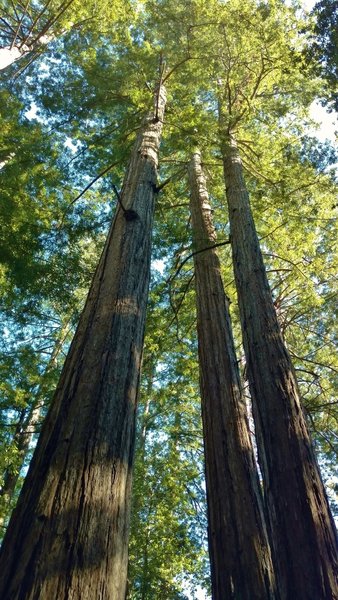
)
(302, 529)
(69, 533)
(239, 553)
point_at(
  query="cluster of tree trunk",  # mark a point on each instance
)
(303, 535)
(301, 529)
(68, 536)
(239, 552)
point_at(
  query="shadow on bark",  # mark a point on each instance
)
(73, 513)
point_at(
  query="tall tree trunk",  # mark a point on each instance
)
(9, 55)
(240, 557)
(302, 529)
(68, 536)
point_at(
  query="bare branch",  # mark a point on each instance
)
(193, 254)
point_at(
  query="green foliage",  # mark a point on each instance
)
(28, 28)
(168, 530)
(324, 46)
(89, 94)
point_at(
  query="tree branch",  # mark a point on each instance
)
(193, 254)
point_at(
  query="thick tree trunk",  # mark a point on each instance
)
(69, 533)
(240, 557)
(302, 529)
(11, 54)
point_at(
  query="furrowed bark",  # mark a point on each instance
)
(240, 558)
(303, 534)
(69, 533)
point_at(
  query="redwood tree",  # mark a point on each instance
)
(239, 552)
(303, 533)
(68, 536)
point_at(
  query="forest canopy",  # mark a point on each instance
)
(82, 104)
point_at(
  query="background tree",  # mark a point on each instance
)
(324, 45)
(26, 28)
